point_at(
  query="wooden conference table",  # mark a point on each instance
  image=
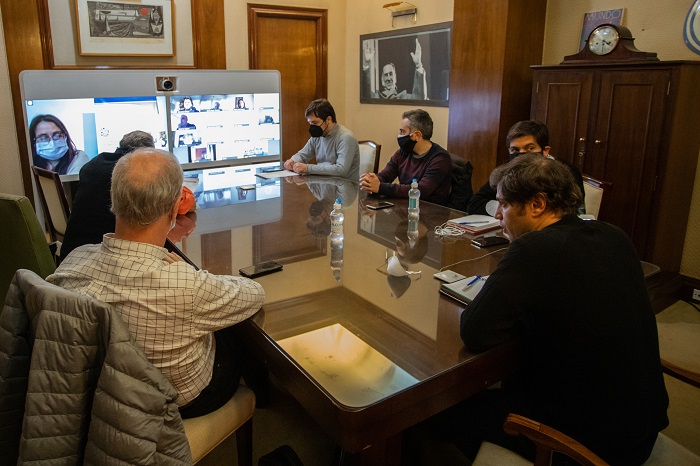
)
(368, 355)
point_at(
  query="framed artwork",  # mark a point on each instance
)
(595, 19)
(133, 28)
(691, 28)
(408, 66)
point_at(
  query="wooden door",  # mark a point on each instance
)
(293, 41)
(626, 143)
(562, 101)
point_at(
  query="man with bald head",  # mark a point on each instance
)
(180, 316)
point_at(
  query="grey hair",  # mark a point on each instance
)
(420, 119)
(136, 139)
(141, 195)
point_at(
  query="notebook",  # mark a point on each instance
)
(475, 224)
(464, 290)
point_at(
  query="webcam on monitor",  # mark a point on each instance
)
(165, 83)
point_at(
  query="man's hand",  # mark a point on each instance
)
(300, 168)
(171, 257)
(289, 164)
(417, 56)
(369, 182)
(367, 54)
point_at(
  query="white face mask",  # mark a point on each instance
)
(52, 150)
(394, 267)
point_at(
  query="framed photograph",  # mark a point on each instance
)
(128, 28)
(595, 19)
(407, 66)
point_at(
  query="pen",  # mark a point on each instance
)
(469, 285)
(474, 223)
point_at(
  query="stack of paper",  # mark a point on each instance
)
(475, 224)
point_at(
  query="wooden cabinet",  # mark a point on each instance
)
(635, 126)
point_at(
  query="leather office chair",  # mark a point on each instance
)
(24, 241)
(462, 190)
(594, 195)
(53, 201)
(369, 156)
(548, 440)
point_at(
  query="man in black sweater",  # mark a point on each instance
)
(523, 137)
(572, 291)
(90, 216)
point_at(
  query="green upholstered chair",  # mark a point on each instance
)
(24, 244)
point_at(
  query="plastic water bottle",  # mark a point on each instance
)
(337, 237)
(337, 219)
(413, 199)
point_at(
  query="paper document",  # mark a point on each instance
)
(277, 174)
(464, 290)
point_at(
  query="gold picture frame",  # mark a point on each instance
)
(125, 28)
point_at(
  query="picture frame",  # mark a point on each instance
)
(125, 28)
(596, 18)
(408, 66)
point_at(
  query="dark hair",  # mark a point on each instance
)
(522, 178)
(532, 128)
(321, 108)
(420, 119)
(40, 161)
(134, 140)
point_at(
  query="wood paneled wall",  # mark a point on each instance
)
(493, 45)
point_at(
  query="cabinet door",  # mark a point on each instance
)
(562, 101)
(626, 146)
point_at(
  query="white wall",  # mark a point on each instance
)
(11, 171)
(657, 27)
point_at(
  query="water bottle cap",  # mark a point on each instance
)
(337, 204)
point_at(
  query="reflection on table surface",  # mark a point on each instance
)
(403, 322)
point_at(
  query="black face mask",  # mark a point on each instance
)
(405, 143)
(316, 131)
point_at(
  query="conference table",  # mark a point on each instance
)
(367, 354)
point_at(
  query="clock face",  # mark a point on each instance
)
(603, 40)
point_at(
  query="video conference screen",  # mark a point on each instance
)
(206, 118)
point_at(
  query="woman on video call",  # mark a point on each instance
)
(52, 147)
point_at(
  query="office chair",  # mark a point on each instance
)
(369, 156)
(23, 240)
(53, 201)
(594, 194)
(548, 440)
(462, 190)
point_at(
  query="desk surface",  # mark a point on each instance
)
(367, 355)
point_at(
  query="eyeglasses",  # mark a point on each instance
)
(57, 136)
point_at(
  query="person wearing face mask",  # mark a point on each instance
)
(334, 146)
(523, 137)
(417, 157)
(52, 147)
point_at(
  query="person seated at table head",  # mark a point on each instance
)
(523, 137)
(183, 318)
(417, 158)
(52, 147)
(334, 146)
(572, 293)
(90, 217)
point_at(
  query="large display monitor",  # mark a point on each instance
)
(207, 118)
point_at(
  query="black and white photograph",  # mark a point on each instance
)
(409, 66)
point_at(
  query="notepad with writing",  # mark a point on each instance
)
(464, 290)
(475, 224)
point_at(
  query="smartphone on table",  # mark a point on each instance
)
(488, 241)
(260, 269)
(379, 205)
